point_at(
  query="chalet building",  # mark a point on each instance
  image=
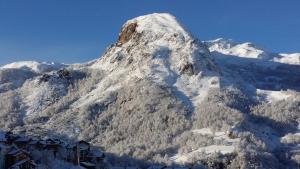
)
(52, 146)
(34, 144)
(15, 156)
(84, 149)
(18, 152)
(71, 153)
(24, 164)
(96, 156)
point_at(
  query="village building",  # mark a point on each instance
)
(16, 155)
(84, 149)
(24, 164)
(21, 152)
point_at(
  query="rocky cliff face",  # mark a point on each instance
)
(158, 94)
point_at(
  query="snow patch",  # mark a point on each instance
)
(288, 58)
(273, 96)
(207, 150)
(230, 146)
(228, 47)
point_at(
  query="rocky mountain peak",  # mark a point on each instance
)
(153, 38)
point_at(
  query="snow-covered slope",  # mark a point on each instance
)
(293, 58)
(160, 95)
(250, 50)
(38, 67)
(229, 47)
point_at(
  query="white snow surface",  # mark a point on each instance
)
(293, 58)
(229, 47)
(273, 96)
(230, 147)
(38, 67)
(250, 50)
(207, 150)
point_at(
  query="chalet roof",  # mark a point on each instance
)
(70, 146)
(96, 153)
(83, 145)
(15, 152)
(181, 168)
(117, 167)
(83, 142)
(156, 167)
(132, 167)
(87, 164)
(33, 142)
(23, 139)
(49, 140)
(22, 162)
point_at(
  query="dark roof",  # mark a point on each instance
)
(132, 167)
(32, 142)
(15, 152)
(87, 164)
(22, 162)
(83, 142)
(23, 139)
(156, 167)
(116, 167)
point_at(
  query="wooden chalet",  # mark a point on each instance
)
(96, 156)
(51, 145)
(84, 150)
(24, 164)
(16, 155)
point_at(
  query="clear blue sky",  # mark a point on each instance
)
(72, 31)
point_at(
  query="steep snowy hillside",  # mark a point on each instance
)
(160, 95)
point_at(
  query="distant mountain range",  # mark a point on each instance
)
(161, 95)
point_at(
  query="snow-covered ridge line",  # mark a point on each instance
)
(250, 50)
(38, 67)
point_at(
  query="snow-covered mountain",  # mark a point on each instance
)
(161, 95)
(250, 50)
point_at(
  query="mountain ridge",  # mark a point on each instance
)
(161, 95)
